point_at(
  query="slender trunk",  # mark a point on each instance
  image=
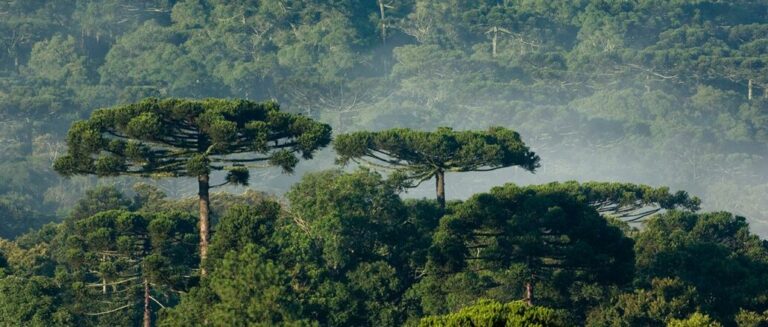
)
(203, 187)
(495, 35)
(103, 280)
(440, 188)
(383, 23)
(147, 313)
(529, 292)
(749, 90)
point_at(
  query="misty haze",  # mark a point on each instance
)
(384, 163)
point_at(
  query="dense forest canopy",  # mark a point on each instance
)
(628, 131)
(660, 92)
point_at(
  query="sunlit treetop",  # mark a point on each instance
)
(492, 313)
(179, 137)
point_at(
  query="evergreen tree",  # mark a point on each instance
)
(175, 137)
(126, 260)
(514, 239)
(419, 156)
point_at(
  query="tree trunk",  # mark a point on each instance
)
(529, 292)
(749, 90)
(341, 121)
(147, 313)
(203, 186)
(495, 35)
(440, 188)
(103, 280)
(383, 23)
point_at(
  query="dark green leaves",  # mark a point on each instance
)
(146, 126)
(419, 154)
(238, 176)
(198, 165)
(178, 137)
(495, 242)
(284, 159)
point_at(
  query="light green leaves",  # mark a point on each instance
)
(198, 165)
(146, 125)
(493, 313)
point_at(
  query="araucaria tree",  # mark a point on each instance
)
(417, 156)
(520, 236)
(178, 137)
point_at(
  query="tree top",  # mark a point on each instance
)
(185, 137)
(420, 153)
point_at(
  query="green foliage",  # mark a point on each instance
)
(497, 242)
(101, 198)
(626, 201)
(238, 176)
(248, 283)
(175, 137)
(19, 217)
(246, 288)
(695, 320)
(34, 301)
(350, 251)
(641, 90)
(352, 216)
(57, 61)
(420, 155)
(714, 252)
(112, 253)
(355, 238)
(747, 318)
(666, 300)
(493, 313)
(243, 225)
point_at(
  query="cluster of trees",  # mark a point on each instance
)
(348, 250)
(345, 249)
(659, 92)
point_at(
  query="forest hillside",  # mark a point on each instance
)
(383, 163)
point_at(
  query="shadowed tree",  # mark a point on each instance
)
(714, 252)
(125, 258)
(178, 137)
(625, 201)
(33, 301)
(417, 156)
(249, 283)
(663, 300)
(537, 235)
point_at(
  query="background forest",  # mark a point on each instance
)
(656, 92)
(659, 92)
